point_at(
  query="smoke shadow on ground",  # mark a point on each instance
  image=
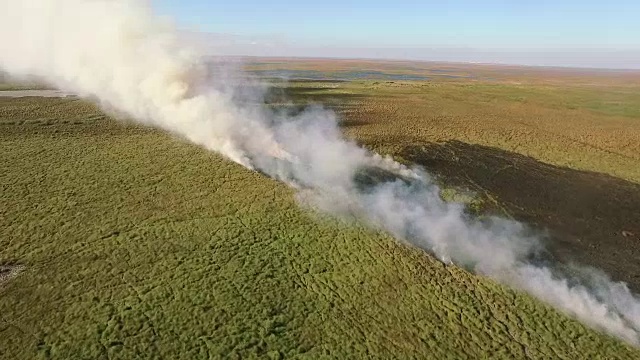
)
(310, 94)
(293, 100)
(592, 218)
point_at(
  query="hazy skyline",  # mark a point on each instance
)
(571, 33)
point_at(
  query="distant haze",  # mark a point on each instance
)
(222, 44)
(573, 33)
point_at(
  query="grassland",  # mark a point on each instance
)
(136, 244)
(564, 158)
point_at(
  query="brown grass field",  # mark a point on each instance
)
(118, 241)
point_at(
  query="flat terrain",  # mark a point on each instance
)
(31, 93)
(119, 241)
(563, 158)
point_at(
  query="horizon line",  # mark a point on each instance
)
(391, 59)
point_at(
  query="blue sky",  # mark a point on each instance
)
(500, 27)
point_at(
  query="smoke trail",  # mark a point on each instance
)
(117, 52)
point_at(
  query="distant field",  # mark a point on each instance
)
(138, 245)
(324, 69)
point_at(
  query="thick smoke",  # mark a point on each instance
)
(118, 52)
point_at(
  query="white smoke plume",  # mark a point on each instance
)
(120, 53)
